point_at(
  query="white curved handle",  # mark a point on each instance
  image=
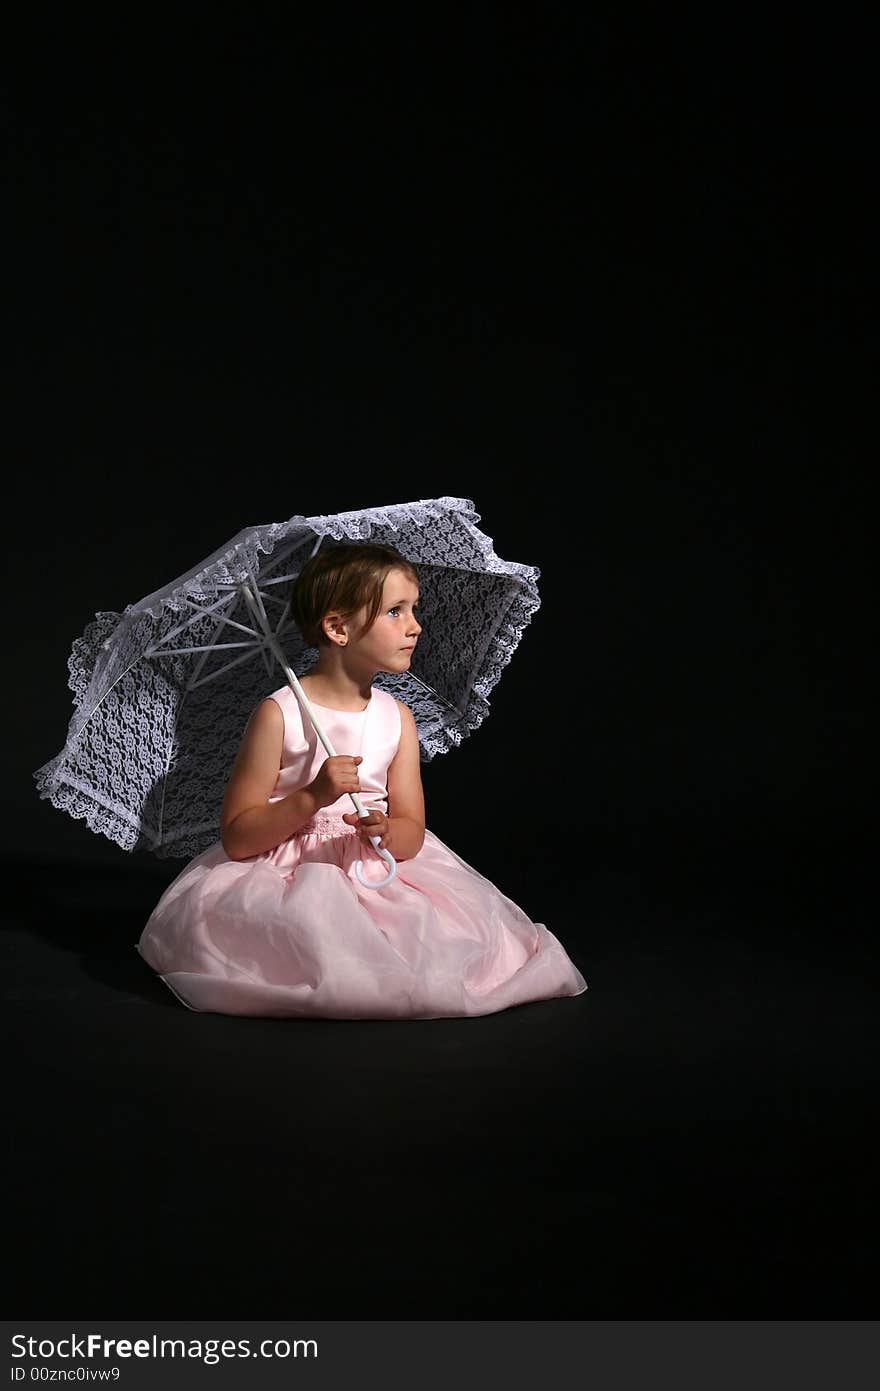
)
(386, 854)
(390, 861)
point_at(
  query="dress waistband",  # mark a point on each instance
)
(329, 824)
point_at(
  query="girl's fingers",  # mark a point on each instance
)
(368, 826)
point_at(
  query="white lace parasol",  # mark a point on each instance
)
(163, 691)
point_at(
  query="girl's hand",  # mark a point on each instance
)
(336, 776)
(376, 824)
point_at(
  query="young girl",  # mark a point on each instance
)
(272, 920)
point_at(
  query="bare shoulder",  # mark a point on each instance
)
(409, 730)
(405, 795)
(265, 726)
(255, 770)
(269, 713)
(406, 715)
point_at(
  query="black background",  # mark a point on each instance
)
(607, 282)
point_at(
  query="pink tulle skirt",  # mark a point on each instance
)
(293, 933)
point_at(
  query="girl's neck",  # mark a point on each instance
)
(338, 690)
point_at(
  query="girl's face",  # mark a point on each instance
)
(389, 643)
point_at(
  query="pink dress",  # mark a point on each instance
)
(291, 932)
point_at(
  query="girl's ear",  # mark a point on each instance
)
(334, 627)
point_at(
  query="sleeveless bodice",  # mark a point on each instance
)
(374, 733)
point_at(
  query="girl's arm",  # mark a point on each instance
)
(406, 800)
(249, 823)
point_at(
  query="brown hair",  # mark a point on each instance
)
(342, 579)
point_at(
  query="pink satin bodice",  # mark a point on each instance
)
(374, 733)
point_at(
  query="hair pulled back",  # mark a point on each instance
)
(341, 579)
